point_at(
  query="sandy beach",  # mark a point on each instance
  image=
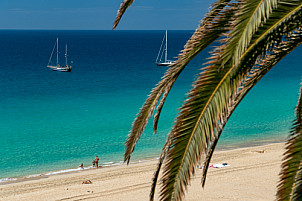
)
(252, 175)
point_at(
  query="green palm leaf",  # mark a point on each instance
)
(297, 189)
(255, 13)
(217, 22)
(262, 66)
(196, 44)
(209, 102)
(290, 187)
(159, 165)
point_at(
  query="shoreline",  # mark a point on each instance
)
(4, 181)
(252, 175)
(7, 180)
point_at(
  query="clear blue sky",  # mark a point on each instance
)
(100, 14)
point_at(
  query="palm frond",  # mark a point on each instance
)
(297, 188)
(208, 158)
(123, 7)
(159, 165)
(254, 14)
(209, 100)
(216, 22)
(141, 120)
(217, 26)
(289, 187)
(262, 66)
(292, 161)
(160, 107)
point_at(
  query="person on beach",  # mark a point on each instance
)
(81, 166)
(96, 160)
(93, 163)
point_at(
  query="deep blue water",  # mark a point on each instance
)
(53, 120)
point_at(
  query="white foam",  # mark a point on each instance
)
(33, 176)
(108, 163)
(67, 170)
(7, 179)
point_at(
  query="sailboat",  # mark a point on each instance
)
(58, 67)
(163, 50)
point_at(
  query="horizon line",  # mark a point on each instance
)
(16, 29)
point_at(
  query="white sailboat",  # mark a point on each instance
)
(163, 50)
(58, 67)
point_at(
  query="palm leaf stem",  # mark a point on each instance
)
(297, 9)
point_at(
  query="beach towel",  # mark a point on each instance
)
(220, 165)
(87, 182)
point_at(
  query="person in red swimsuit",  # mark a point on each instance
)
(96, 160)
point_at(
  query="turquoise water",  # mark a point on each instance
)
(54, 121)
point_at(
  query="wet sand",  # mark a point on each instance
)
(252, 175)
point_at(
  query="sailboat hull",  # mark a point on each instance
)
(63, 70)
(60, 68)
(165, 63)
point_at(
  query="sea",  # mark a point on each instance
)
(51, 122)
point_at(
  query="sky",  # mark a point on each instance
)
(100, 14)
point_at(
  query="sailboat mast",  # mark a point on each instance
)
(166, 53)
(57, 51)
(66, 55)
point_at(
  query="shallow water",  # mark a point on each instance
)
(52, 121)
